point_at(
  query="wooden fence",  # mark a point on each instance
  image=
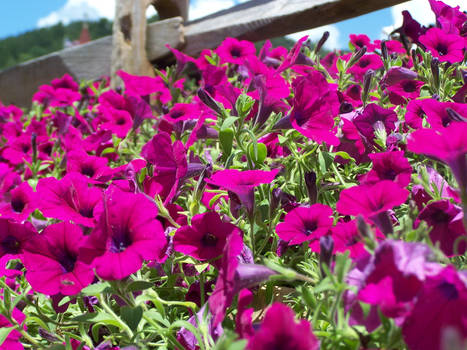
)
(254, 20)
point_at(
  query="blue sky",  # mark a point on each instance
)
(22, 15)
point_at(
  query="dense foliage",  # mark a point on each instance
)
(39, 42)
(267, 200)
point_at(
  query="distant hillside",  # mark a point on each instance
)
(35, 43)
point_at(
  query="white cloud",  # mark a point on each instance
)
(75, 10)
(420, 11)
(316, 34)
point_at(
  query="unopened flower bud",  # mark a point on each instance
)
(310, 181)
(321, 42)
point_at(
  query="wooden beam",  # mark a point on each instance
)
(262, 19)
(85, 62)
(254, 20)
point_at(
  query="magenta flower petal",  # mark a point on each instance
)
(170, 166)
(370, 200)
(448, 145)
(235, 51)
(373, 118)
(395, 276)
(22, 201)
(305, 224)
(242, 183)
(53, 263)
(70, 198)
(205, 238)
(389, 166)
(314, 107)
(127, 233)
(441, 304)
(279, 330)
(446, 47)
(445, 221)
(14, 236)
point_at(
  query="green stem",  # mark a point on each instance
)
(107, 308)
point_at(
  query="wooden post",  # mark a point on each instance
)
(171, 8)
(129, 40)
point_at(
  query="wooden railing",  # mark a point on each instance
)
(254, 20)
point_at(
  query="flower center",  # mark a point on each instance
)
(209, 240)
(120, 121)
(409, 86)
(120, 241)
(389, 174)
(448, 290)
(440, 217)
(309, 228)
(86, 212)
(364, 63)
(87, 170)
(235, 52)
(67, 260)
(18, 205)
(10, 245)
(176, 114)
(442, 49)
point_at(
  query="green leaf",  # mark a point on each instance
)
(4, 332)
(343, 155)
(108, 150)
(139, 285)
(96, 289)
(98, 317)
(228, 122)
(154, 315)
(226, 137)
(259, 153)
(132, 316)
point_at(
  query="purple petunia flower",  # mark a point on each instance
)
(242, 183)
(235, 51)
(279, 330)
(448, 145)
(395, 276)
(18, 203)
(446, 47)
(305, 224)
(389, 166)
(13, 237)
(370, 200)
(170, 166)
(143, 86)
(446, 222)
(205, 238)
(70, 198)
(315, 105)
(442, 114)
(95, 168)
(12, 341)
(53, 263)
(127, 233)
(374, 118)
(440, 305)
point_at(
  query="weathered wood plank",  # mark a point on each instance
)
(262, 19)
(84, 62)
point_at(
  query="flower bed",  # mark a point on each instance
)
(244, 200)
